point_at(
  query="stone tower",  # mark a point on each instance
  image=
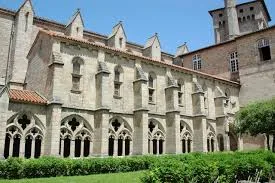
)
(239, 19)
(232, 18)
(21, 44)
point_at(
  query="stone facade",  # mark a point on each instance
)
(106, 96)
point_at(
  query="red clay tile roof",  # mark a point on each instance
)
(26, 96)
(65, 37)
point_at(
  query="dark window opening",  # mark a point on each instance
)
(111, 146)
(188, 145)
(86, 147)
(120, 147)
(37, 152)
(28, 147)
(155, 146)
(67, 146)
(77, 151)
(7, 146)
(161, 146)
(127, 147)
(251, 8)
(220, 15)
(183, 146)
(241, 10)
(16, 146)
(265, 53)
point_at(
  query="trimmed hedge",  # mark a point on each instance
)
(206, 168)
(195, 167)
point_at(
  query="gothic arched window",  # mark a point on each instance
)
(76, 74)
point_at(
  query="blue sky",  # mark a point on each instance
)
(176, 21)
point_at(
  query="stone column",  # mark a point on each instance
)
(115, 147)
(4, 103)
(82, 149)
(33, 148)
(164, 147)
(101, 137)
(91, 149)
(123, 150)
(103, 103)
(131, 147)
(140, 136)
(62, 148)
(72, 148)
(151, 146)
(186, 146)
(157, 147)
(173, 145)
(11, 147)
(22, 148)
(200, 135)
(53, 132)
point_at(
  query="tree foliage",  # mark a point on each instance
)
(257, 118)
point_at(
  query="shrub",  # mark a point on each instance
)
(194, 167)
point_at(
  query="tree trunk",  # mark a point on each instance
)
(273, 143)
(267, 142)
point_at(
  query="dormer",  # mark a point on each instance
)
(152, 48)
(75, 26)
(181, 50)
(24, 17)
(118, 37)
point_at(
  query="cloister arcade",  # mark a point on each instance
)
(24, 136)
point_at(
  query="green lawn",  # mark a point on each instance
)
(132, 177)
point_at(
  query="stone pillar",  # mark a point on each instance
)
(62, 148)
(22, 147)
(82, 149)
(72, 148)
(115, 147)
(33, 148)
(11, 147)
(240, 144)
(4, 103)
(124, 146)
(226, 142)
(151, 146)
(53, 132)
(173, 145)
(164, 147)
(140, 136)
(91, 149)
(200, 135)
(172, 120)
(103, 103)
(101, 133)
(157, 147)
(131, 147)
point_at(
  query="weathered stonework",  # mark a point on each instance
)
(108, 97)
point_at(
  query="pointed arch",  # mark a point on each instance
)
(211, 138)
(76, 136)
(156, 137)
(186, 135)
(24, 128)
(120, 137)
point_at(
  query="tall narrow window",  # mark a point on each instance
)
(234, 63)
(264, 49)
(120, 42)
(117, 81)
(76, 74)
(26, 21)
(197, 62)
(151, 88)
(180, 93)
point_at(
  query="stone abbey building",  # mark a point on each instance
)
(69, 92)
